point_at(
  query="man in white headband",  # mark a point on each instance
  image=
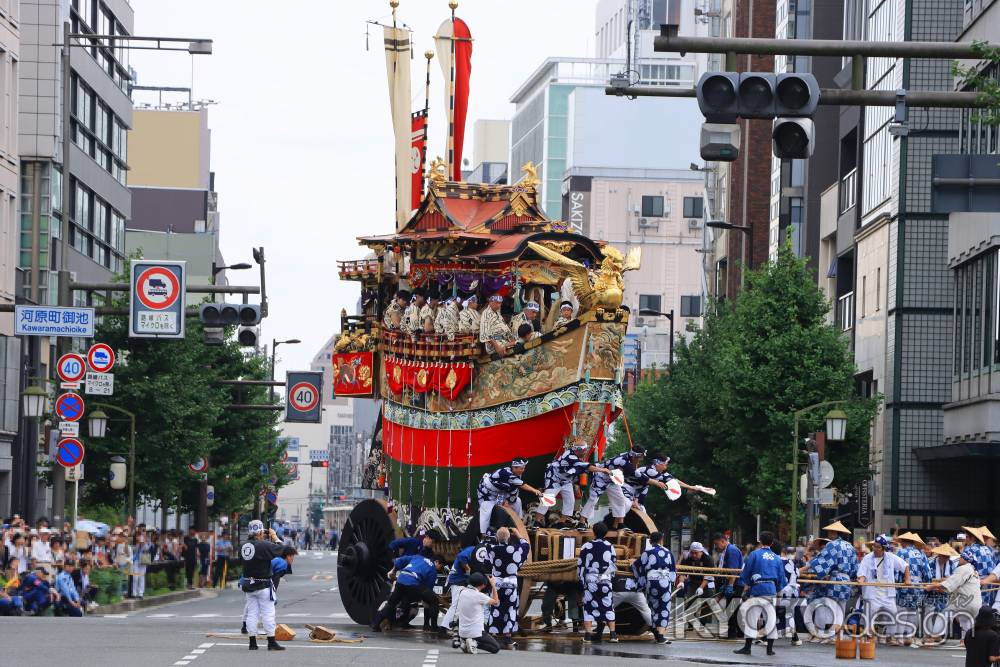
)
(258, 585)
(468, 321)
(502, 486)
(527, 316)
(493, 331)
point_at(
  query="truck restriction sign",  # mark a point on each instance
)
(71, 367)
(101, 357)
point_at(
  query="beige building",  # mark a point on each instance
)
(660, 211)
(169, 148)
(9, 169)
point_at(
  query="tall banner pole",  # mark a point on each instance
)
(397, 60)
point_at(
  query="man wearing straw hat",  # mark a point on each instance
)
(975, 541)
(935, 603)
(909, 600)
(838, 561)
(964, 590)
(881, 566)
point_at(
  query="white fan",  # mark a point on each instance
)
(548, 499)
(618, 477)
(706, 489)
(673, 489)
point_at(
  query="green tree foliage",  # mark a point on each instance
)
(979, 78)
(724, 412)
(182, 415)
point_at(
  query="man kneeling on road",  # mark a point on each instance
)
(415, 579)
(470, 609)
(257, 555)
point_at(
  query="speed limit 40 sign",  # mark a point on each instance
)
(303, 397)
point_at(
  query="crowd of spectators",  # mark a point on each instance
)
(53, 569)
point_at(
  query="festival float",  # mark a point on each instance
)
(450, 410)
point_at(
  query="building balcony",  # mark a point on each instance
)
(845, 312)
(848, 190)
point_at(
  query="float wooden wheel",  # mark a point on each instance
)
(364, 561)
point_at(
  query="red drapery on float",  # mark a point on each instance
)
(448, 380)
(353, 374)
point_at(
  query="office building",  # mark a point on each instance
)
(490, 151)
(175, 213)
(10, 347)
(889, 272)
(660, 211)
(542, 128)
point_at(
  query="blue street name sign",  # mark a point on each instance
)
(53, 321)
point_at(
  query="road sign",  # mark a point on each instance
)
(264, 469)
(293, 471)
(75, 474)
(69, 452)
(302, 396)
(101, 357)
(71, 367)
(271, 497)
(69, 429)
(69, 407)
(100, 384)
(53, 321)
(201, 465)
(319, 454)
(158, 297)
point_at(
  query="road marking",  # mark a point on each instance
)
(430, 660)
(328, 647)
(115, 616)
(193, 655)
(161, 615)
(206, 616)
(206, 645)
(296, 615)
(197, 651)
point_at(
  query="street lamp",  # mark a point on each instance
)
(216, 269)
(274, 346)
(746, 229)
(670, 316)
(836, 427)
(97, 424)
(35, 401)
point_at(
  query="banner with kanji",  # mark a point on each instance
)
(353, 374)
(418, 155)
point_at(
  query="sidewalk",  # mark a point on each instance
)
(145, 603)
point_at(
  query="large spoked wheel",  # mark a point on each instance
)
(364, 561)
(628, 620)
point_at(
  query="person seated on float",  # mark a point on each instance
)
(393, 317)
(446, 321)
(493, 331)
(565, 314)
(431, 307)
(428, 329)
(411, 318)
(527, 316)
(526, 333)
(468, 322)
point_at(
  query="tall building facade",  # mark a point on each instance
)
(175, 208)
(10, 347)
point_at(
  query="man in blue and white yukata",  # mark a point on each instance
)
(620, 505)
(508, 555)
(638, 479)
(764, 575)
(596, 568)
(655, 571)
(838, 561)
(561, 475)
(502, 486)
(975, 542)
(910, 600)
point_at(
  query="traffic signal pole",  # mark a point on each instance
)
(670, 42)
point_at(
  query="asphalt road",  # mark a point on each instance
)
(181, 634)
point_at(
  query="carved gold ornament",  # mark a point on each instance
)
(397, 374)
(365, 375)
(438, 172)
(422, 377)
(530, 180)
(603, 288)
(451, 379)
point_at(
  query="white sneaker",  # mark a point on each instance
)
(470, 646)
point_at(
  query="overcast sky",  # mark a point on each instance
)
(301, 136)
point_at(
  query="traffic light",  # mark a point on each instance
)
(229, 314)
(796, 99)
(320, 464)
(248, 336)
(716, 93)
(789, 98)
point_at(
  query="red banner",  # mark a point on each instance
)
(418, 153)
(463, 72)
(352, 374)
(448, 380)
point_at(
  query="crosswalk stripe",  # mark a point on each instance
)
(205, 616)
(161, 615)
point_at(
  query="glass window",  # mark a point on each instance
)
(649, 302)
(693, 207)
(652, 206)
(691, 306)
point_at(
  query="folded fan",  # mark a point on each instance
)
(618, 477)
(548, 499)
(673, 489)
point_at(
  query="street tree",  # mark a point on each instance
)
(724, 411)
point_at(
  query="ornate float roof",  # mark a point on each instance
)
(489, 223)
